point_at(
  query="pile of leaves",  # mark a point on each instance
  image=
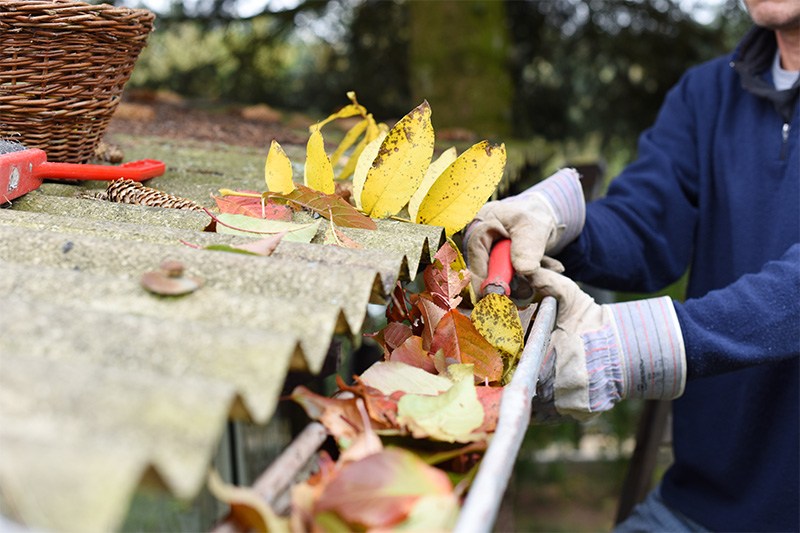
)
(412, 428)
(375, 172)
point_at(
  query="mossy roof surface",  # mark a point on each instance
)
(104, 384)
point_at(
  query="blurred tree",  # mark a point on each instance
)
(459, 62)
(560, 69)
(604, 65)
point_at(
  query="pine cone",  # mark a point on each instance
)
(132, 192)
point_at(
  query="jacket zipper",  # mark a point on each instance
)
(785, 135)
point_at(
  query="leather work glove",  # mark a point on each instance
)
(601, 354)
(539, 221)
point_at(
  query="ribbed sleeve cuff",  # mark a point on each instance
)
(650, 349)
(564, 194)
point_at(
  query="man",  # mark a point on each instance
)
(715, 189)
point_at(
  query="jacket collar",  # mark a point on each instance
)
(752, 60)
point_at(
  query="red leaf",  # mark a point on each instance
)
(490, 398)
(431, 315)
(245, 205)
(329, 206)
(397, 310)
(412, 353)
(459, 340)
(395, 334)
(442, 281)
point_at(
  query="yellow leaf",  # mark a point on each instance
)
(363, 164)
(318, 171)
(401, 163)
(496, 318)
(433, 172)
(348, 140)
(456, 196)
(347, 111)
(278, 170)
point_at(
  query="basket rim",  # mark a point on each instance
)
(70, 12)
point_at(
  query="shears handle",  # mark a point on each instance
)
(500, 270)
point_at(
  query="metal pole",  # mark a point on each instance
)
(483, 500)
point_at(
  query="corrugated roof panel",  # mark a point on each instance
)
(104, 383)
(77, 434)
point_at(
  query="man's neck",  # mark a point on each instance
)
(789, 46)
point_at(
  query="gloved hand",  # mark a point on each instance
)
(601, 354)
(539, 221)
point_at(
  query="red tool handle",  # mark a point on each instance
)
(134, 170)
(498, 279)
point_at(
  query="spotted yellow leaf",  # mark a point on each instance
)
(496, 318)
(318, 170)
(364, 163)
(400, 165)
(433, 172)
(278, 170)
(461, 190)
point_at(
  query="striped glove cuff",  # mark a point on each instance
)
(564, 196)
(637, 354)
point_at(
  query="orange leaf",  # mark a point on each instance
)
(459, 340)
(382, 409)
(412, 353)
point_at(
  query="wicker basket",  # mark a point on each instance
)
(63, 65)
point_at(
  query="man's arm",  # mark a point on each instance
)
(752, 321)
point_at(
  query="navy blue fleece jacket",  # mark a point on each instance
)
(715, 189)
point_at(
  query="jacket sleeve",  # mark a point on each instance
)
(638, 237)
(754, 320)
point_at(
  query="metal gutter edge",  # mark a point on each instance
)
(480, 508)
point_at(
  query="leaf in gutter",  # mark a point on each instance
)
(389, 377)
(461, 190)
(497, 319)
(400, 165)
(381, 489)
(412, 353)
(452, 416)
(327, 205)
(248, 511)
(318, 173)
(457, 337)
(278, 169)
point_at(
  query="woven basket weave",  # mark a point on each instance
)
(63, 65)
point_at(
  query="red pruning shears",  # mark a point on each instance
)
(23, 170)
